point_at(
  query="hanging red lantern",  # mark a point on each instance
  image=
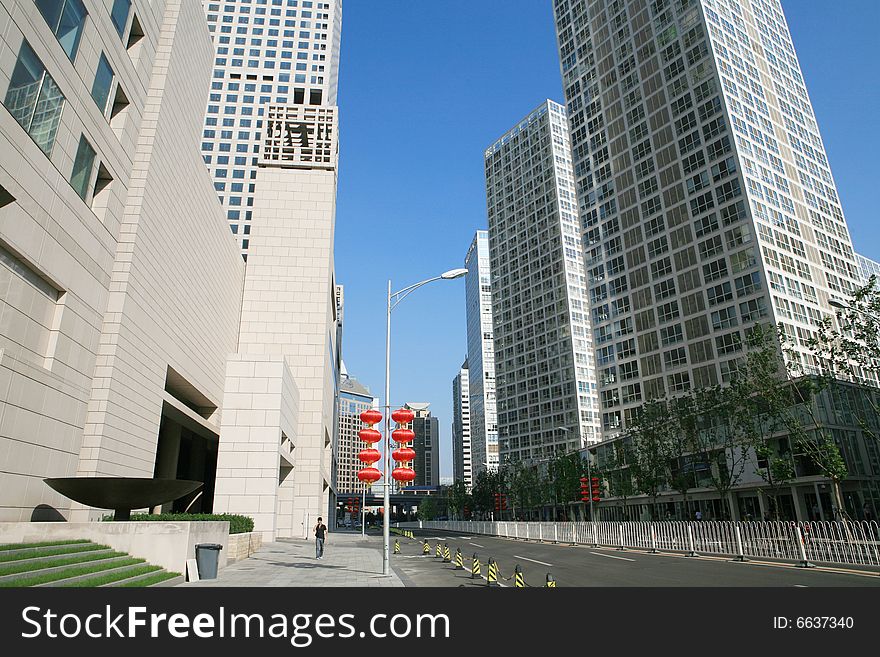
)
(403, 474)
(371, 475)
(369, 455)
(369, 436)
(403, 435)
(403, 416)
(371, 417)
(404, 454)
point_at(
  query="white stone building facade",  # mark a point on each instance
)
(121, 285)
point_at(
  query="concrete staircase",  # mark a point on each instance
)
(77, 564)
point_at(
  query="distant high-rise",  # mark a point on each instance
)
(545, 381)
(868, 267)
(481, 355)
(354, 399)
(462, 469)
(426, 444)
(284, 52)
(706, 198)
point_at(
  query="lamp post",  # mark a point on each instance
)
(394, 298)
(842, 305)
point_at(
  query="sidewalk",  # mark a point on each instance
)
(349, 560)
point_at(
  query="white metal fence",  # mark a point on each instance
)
(851, 543)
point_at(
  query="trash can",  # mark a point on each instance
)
(207, 559)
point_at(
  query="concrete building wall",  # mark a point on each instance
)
(289, 310)
(108, 289)
(176, 283)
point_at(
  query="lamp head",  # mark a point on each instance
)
(835, 303)
(453, 273)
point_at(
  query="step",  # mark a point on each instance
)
(55, 557)
(105, 571)
(55, 550)
(180, 579)
(75, 545)
(56, 569)
(138, 578)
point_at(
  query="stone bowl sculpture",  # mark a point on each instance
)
(122, 494)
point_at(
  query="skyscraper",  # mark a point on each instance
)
(283, 52)
(426, 444)
(462, 469)
(706, 200)
(354, 399)
(481, 355)
(545, 380)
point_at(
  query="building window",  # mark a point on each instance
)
(119, 15)
(82, 167)
(34, 99)
(103, 82)
(66, 19)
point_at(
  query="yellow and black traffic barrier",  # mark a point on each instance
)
(396, 546)
(519, 581)
(475, 566)
(447, 555)
(550, 583)
(459, 564)
(492, 573)
(439, 554)
(426, 549)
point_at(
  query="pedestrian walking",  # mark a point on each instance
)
(866, 511)
(320, 536)
(815, 511)
(698, 515)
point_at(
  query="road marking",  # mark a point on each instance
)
(464, 538)
(611, 556)
(801, 586)
(477, 544)
(543, 563)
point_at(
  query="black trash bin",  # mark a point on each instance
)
(207, 559)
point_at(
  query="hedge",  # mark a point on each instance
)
(237, 524)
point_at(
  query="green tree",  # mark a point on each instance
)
(427, 508)
(650, 435)
(457, 499)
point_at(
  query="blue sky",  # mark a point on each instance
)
(425, 87)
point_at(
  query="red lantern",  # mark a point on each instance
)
(369, 456)
(371, 417)
(371, 475)
(369, 436)
(404, 454)
(403, 474)
(403, 435)
(403, 416)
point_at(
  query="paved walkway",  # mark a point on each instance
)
(349, 560)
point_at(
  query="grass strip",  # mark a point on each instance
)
(152, 579)
(30, 554)
(14, 568)
(46, 578)
(23, 546)
(108, 578)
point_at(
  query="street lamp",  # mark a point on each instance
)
(843, 305)
(589, 476)
(394, 298)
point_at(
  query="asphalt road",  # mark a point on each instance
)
(586, 566)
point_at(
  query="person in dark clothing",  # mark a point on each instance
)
(320, 536)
